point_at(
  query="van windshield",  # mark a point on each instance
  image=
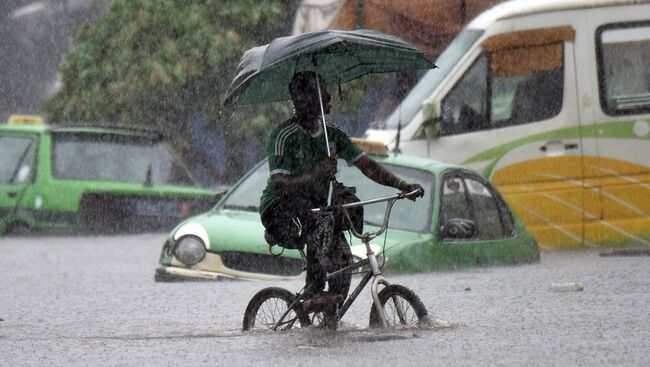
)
(16, 153)
(116, 158)
(449, 57)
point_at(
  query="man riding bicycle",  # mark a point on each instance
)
(300, 175)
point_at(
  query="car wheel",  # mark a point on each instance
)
(19, 229)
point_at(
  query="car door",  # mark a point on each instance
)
(475, 225)
(16, 172)
(621, 114)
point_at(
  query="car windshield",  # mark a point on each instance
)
(16, 153)
(406, 215)
(116, 158)
(406, 110)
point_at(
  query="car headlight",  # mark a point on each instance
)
(189, 250)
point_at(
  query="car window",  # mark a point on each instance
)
(406, 214)
(468, 197)
(506, 88)
(623, 73)
(488, 219)
(454, 200)
(116, 158)
(16, 159)
(246, 195)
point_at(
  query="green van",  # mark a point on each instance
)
(93, 178)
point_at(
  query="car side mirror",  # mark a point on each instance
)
(432, 127)
(219, 193)
(432, 121)
(458, 228)
(23, 174)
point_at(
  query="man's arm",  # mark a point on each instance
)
(381, 175)
(286, 184)
(373, 170)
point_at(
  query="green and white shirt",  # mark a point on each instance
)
(293, 151)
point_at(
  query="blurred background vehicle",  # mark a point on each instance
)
(92, 178)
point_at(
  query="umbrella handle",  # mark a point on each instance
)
(327, 141)
(322, 114)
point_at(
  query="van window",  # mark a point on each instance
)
(449, 58)
(623, 73)
(506, 87)
(17, 155)
(464, 109)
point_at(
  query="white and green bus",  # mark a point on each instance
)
(550, 100)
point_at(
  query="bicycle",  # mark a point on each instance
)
(276, 308)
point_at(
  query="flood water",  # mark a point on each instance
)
(92, 301)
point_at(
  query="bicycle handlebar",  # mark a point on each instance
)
(399, 195)
(390, 201)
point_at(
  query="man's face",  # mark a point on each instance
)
(306, 104)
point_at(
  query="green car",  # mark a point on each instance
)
(461, 221)
(93, 178)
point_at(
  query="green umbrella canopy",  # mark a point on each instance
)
(264, 72)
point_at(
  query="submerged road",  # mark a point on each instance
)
(92, 301)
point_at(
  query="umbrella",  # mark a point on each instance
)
(264, 72)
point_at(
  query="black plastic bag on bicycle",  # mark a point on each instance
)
(287, 222)
(342, 194)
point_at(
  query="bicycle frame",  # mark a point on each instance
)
(371, 258)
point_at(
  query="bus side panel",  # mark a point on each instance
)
(622, 117)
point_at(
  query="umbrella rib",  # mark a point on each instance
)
(356, 58)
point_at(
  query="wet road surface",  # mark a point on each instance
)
(92, 301)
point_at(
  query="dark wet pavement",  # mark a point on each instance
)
(92, 301)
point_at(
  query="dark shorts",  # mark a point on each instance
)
(280, 221)
(287, 221)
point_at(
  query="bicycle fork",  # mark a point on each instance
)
(378, 279)
(374, 286)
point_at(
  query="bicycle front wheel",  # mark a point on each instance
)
(266, 308)
(402, 307)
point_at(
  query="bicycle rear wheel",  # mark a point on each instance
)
(266, 308)
(402, 307)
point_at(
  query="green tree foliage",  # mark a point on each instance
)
(158, 62)
(155, 62)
